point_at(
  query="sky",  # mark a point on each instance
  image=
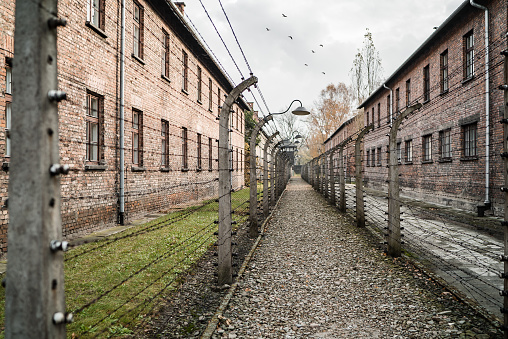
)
(278, 56)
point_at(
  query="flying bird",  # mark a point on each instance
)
(306, 65)
(268, 29)
(323, 72)
(321, 45)
(290, 37)
(284, 15)
(313, 51)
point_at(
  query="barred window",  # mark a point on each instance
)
(137, 137)
(185, 162)
(397, 100)
(426, 83)
(444, 71)
(210, 154)
(427, 147)
(185, 71)
(409, 150)
(408, 92)
(468, 55)
(94, 107)
(199, 154)
(164, 143)
(210, 95)
(199, 84)
(379, 156)
(138, 30)
(368, 158)
(445, 144)
(469, 137)
(165, 45)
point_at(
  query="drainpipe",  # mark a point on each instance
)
(391, 102)
(121, 200)
(487, 103)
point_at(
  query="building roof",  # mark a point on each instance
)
(174, 19)
(338, 129)
(440, 30)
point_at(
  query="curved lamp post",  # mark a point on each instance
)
(300, 110)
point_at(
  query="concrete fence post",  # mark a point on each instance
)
(360, 205)
(394, 245)
(266, 194)
(224, 240)
(34, 301)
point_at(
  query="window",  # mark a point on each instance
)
(199, 155)
(7, 129)
(164, 143)
(94, 107)
(469, 137)
(199, 84)
(409, 150)
(210, 94)
(138, 31)
(218, 101)
(185, 163)
(426, 83)
(408, 92)
(185, 71)
(95, 14)
(373, 157)
(468, 55)
(165, 65)
(210, 154)
(8, 80)
(379, 156)
(368, 119)
(387, 109)
(397, 100)
(445, 145)
(444, 71)
(399, 152)
(368, 158)
(379, 114)
(237, 118)
(427, 148)
(373, 120)
(137, 137)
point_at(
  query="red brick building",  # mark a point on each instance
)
(173, 93)
(449, 150)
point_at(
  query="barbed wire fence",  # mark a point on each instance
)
(464, 251)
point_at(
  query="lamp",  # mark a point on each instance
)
(298, 111)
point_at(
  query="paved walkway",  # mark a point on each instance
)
(315, 276)
(466, 258)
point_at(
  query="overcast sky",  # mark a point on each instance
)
(398, 27)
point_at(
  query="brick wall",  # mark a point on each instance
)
(460, 180)
(88, 63)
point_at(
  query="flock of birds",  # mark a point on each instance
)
(289, 36)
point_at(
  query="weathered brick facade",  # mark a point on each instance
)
(156, 101)
(443, 144)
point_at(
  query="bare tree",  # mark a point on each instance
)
(367, 71)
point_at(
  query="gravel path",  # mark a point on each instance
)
(315, 275)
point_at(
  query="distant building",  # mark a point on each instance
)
(173, 94)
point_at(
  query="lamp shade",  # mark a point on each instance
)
(301, 111)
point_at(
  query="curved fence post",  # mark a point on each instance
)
(394, 245)
(225, 274)
(266, 194)
(360, 206)
(342, 179)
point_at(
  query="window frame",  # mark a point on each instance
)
(8, 117)
(185, 149)
(210, 154)
(99, 14)
(368, 158)
(199, 151)
(185, 71)
(8, 79)
(445, 145)
(166, 53)
(199, 83)
(427, 148)
(90, 119)
(138, 26)
(378, 156)
(408, 92)
(137, 137)
(443, 63)
(388, 109)
(164, 143)
(399, 152)
(408, 151)
(468, 57)
(470, 147)
(210, 94)
(397, 99)
(426, 83)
